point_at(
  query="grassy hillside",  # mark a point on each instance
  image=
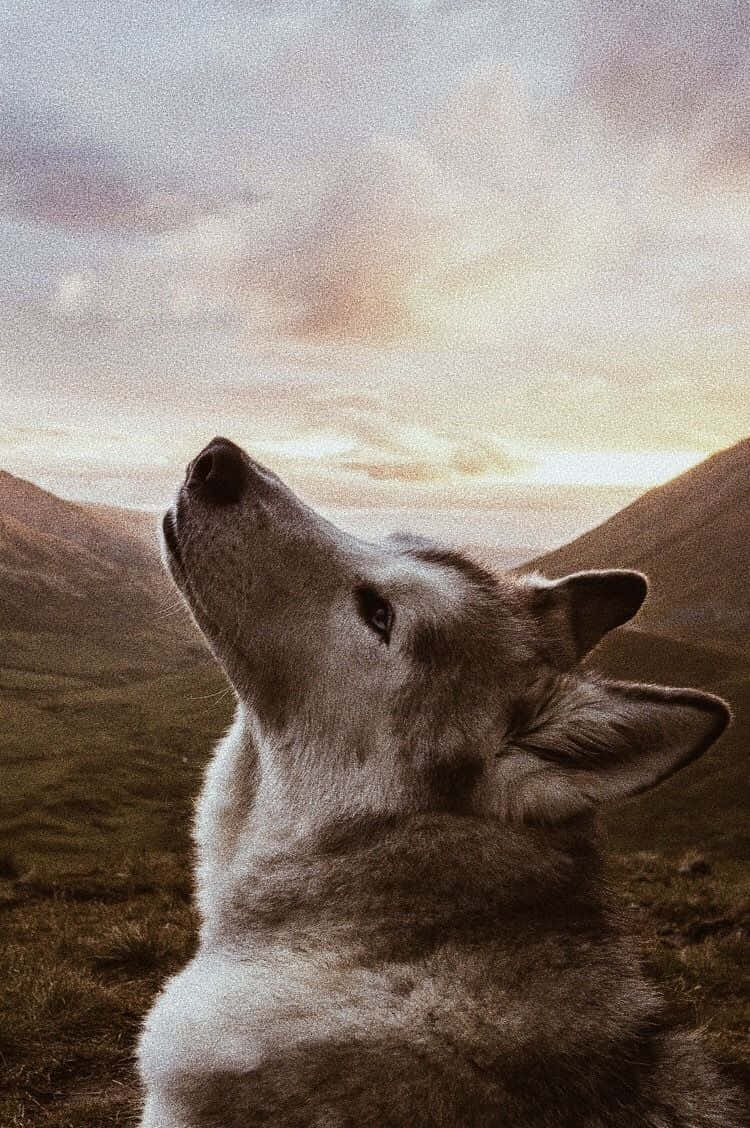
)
(94, 873)
(81, 575)
(691, 537)
(91, 770)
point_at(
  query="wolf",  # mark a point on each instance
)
(399, 879)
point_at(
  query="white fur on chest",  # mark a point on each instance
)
(222, 1013)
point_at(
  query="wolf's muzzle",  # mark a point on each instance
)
(219, 473)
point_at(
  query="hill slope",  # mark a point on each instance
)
(73, 579)
(692, 538)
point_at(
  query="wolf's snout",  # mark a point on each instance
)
(219, 472)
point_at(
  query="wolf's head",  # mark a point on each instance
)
(403, 676)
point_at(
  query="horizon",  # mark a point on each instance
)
(567, 470)
(409, 253)
(514, 522)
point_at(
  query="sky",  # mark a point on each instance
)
(416, 256)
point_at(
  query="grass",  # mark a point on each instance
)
(81, 961)
(99, 778)
(695, 938)
(95, 890)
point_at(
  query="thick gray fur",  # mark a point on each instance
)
(404, 921)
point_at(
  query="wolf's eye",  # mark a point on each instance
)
(376, 612)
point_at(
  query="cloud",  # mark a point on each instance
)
(384, 172)
(81, 187)
(382, 220)
(675, 83)
(410, 454)
(325, 223)
(509, 216)
(368, 246)
(327, 258)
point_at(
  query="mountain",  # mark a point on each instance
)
(135, 525)
(87, 526)
(691, 537)
(74, 577)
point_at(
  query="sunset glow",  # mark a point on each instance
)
(611, 467)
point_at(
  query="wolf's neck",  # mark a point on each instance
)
(402, 886)
(251, 813)
(306, 785)
(224, 806)
(261, 796)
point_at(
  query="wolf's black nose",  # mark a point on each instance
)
(219, 472)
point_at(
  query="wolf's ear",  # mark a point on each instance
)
(576, 611)
(589, 743)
